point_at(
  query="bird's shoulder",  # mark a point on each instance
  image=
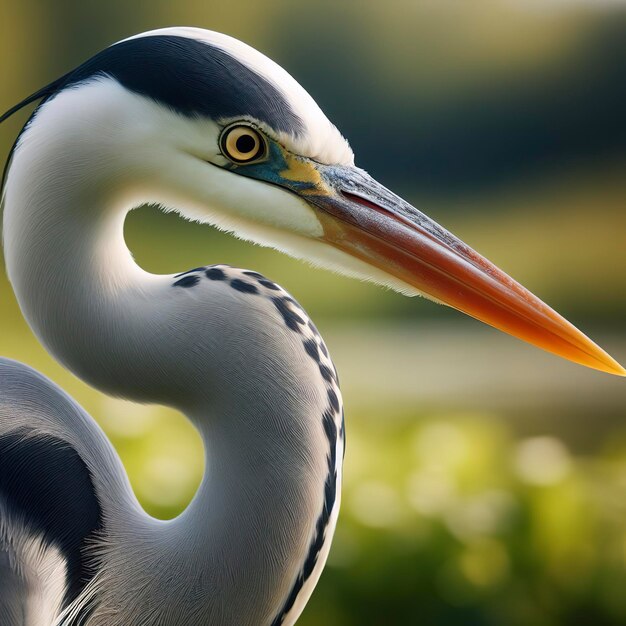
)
(262, 306)
(242, 280)
(248, 288)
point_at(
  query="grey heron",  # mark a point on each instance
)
(199, 123)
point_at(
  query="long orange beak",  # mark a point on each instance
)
(366, 220)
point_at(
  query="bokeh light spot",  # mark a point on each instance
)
(542, 461)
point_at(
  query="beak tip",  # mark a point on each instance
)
(611, 366)
(620, 371)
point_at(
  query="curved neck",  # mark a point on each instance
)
(254, 539)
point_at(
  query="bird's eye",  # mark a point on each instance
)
(242, 144)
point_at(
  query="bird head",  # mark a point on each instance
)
(206, 125)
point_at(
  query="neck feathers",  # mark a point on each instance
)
(227, 347)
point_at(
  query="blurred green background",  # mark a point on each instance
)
(485, 481)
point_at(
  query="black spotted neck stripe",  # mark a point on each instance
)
(332, 418)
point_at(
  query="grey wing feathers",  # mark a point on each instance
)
(51, 452)
(32, 576)
(13, 592)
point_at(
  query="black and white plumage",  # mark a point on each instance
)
(199, 123)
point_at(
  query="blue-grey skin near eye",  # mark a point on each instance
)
(271, 168)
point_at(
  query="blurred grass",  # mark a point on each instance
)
(485, 481)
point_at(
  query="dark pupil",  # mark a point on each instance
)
(245, 144)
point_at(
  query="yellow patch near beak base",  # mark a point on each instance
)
(304, 172)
